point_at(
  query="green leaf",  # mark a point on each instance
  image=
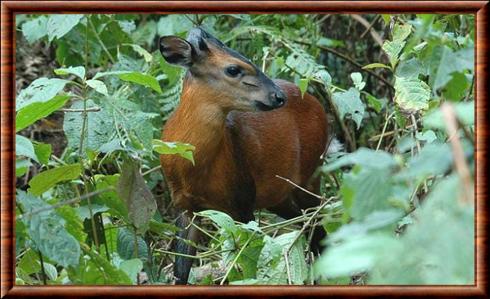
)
(366, 191)
(364, 157)
(410, 68)
(35, 29)
(21, 167)
(24, 147)
(451, 62)
(441, 258)
(139, 200)
(357, 80)
(138, 49)
(40, 91)
(221, 219)
(428, 136)
(401, 31)
(374, 102)
(47, 231)
(59, 25)
(134, 77)
(78, 71)
(73, 222)
(303, 85)
(411, 94)
(465, 112)
(110, 198)
(349, 103)
(174, 148)
(99, 129)
(353, 256)
(49, 178)
(51, 271)
(142, 79)
(31, 113)
(29, 263)
(393, 49)
(272, 263)
(434, 159)
(98, 85)
(126, 245)
(375, 65)
(98, 270)
(132, 267)
(43, 152)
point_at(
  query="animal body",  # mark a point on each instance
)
(246, 129)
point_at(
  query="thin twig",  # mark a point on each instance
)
(350, 60)
(285, 253)
(91, 109)
(369, 28)
(100, 41)
(301, 188)
(459, 158)
(417, 142)
(389, 133)
(236, 258)
(366, 24)
(384, 129)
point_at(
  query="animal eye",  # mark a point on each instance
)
(233, 71)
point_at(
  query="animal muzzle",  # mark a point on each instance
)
(276, 99)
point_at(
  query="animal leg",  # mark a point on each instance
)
(182, 265)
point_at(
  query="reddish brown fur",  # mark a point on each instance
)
(286, 142)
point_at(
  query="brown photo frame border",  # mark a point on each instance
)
(10, 8)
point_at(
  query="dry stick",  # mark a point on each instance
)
(366, 24)
(301, 188)
(459, 158)
(384, 129)
(67, 202)
(369, 28)
(417, 142)
(389, 133)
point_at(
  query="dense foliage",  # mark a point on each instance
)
(94, 92)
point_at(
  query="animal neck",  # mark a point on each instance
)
(200, 121)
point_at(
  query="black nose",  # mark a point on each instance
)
(278, 99)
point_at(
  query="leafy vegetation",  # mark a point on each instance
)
(398, 207)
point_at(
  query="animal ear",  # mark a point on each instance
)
(176, 50)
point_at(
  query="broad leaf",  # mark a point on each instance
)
(98, 85)
(411, 94)
(349, 103)
(31, 113)
(174, 148)
(139, 200)
(40, 91)
(451, 62)
(364, 157)
(45, 180)
(24, 147)
(35, 29)
(78, 71)
(59, 25)
(134, 77)
(47, 231)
